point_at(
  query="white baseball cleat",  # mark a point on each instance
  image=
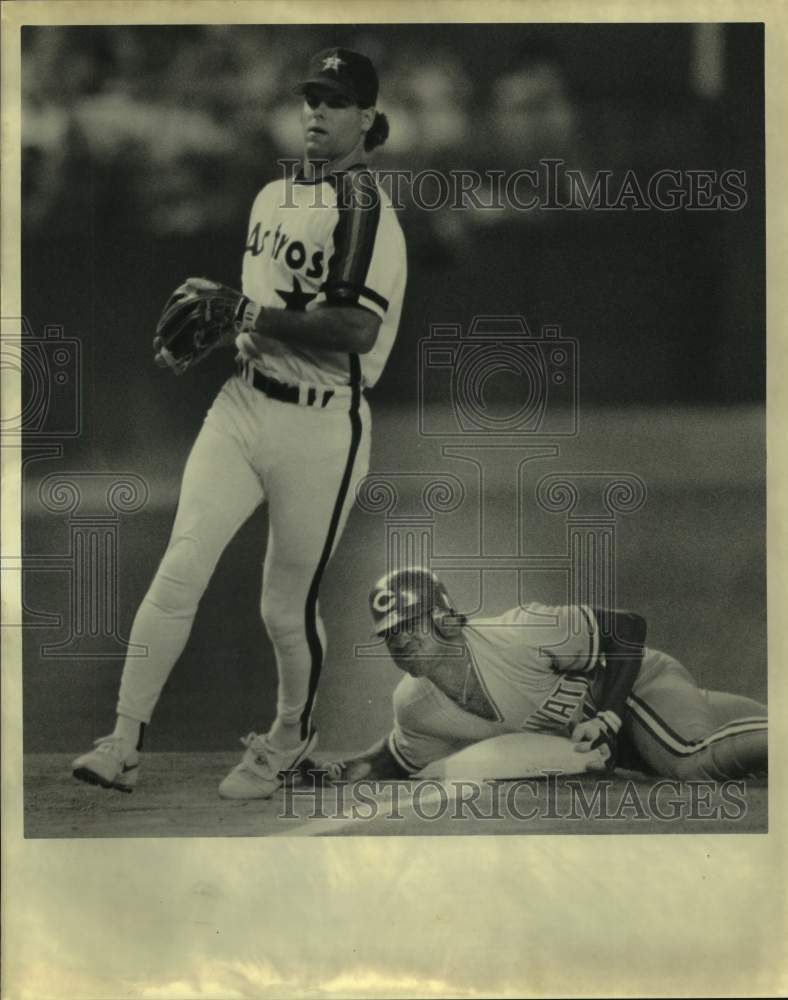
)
(260, 772)
(113, 764)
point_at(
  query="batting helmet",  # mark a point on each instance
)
(406, 594)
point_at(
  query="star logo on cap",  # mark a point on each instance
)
(333, 62)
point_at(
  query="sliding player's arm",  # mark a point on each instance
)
(378, 763)
(622, 636)
(580, 639)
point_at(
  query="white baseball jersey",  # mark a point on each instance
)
(335, 240)
(311, 245)
(541, 671)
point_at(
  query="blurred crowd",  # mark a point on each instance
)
(144, 146)
(171, 130)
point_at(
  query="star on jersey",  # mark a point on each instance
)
(297, 299)
(333, 62)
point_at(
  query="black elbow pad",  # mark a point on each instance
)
(619, 628)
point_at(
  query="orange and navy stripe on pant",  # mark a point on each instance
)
(736, 749)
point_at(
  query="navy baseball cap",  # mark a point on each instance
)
(345, 72)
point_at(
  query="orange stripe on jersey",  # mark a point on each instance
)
(354, 238)
(354, 241)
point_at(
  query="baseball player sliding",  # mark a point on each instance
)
(324, 274)
(577, 672)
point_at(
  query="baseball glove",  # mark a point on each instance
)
(198, 317)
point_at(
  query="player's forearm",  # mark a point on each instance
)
(382, 763)
(377, 763)
(333, 328)
(620, 676)
(622, 635)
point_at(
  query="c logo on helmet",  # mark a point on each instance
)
(384, 601)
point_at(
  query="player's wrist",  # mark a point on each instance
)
(247, 315)
(610, 720)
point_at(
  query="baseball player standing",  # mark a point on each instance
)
(324, 273)
(577, 672)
